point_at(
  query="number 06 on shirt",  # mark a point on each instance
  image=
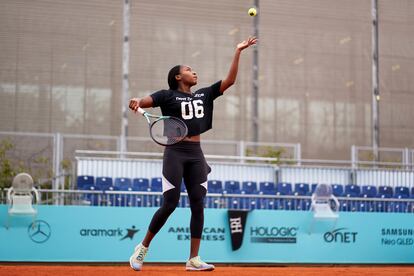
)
(165, 130)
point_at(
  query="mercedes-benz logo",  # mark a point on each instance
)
(39, 231)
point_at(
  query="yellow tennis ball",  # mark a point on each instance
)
(252, 12)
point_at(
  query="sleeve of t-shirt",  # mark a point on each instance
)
(158, 98)
(215, 90)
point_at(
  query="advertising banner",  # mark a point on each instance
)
(109, 234)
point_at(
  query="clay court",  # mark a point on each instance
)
(172, 270)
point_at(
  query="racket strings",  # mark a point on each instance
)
(168, 131)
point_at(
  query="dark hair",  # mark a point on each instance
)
(172, 81)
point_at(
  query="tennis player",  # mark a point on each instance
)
(185, 159)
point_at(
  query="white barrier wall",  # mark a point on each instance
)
(132, 168)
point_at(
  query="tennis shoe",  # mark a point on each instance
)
(196, 264)
(137, 259)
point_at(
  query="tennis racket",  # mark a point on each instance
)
(165, 130)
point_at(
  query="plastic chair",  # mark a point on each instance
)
(321, 206)
(22, 198)
(283, 188)
(385, 192)
(84, 182)
(103, 183)
(249, 187)
(369, 191)
(352, 191)
(267, 188)
(302, 189)
(215, 186)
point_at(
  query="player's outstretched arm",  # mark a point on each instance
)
(145, 102)
(231, 76)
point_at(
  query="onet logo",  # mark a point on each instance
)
(39, 231)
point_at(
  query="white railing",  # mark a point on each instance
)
(401, 158)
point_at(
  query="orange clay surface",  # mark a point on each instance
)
(153, 269)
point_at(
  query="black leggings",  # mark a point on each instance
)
(183, 160)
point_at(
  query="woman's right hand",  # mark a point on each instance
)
(134, 104)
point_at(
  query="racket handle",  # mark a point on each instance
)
(140, 110)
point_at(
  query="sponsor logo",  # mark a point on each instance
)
(110, 232)
(340, 236)
(209, 233)
(236, 225)
(183, 98)
(283, 234)
(39, 231)
(397, 236)
(237, 222)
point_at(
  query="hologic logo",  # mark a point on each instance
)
(39, 231)
(340, 236)
(114, 232)
(273, 234)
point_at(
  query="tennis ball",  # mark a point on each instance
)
(252, 12)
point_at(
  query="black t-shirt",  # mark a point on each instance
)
(195, 109)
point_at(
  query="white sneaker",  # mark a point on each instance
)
(196, 264)
(137, 259)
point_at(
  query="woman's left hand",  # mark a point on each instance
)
(244, 44)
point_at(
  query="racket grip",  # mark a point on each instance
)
(140, 110)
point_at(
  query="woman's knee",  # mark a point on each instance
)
(197, 206)
(169, 206)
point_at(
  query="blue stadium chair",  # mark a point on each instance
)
(252, 203)
(214, 202)
(84, 182)
(381, 206)
(103, 183)
(215, 186)
(354, 206)
(249, 187)
(301, 204)
(385, 192)
(122, 181)
(140, 184)
(364, 206)
(283, 188)
(352, 191)
(284, 204)
(412, 193)
(302, 189)
(125, 187)
(136, 200)
(399, 207)
(267, 203)
(313, 187)
(156, 184)
(234, 203)
(156, 201)
(232, 187)
(337, 190)
(94, 199)
(402, 192)
(113, 199)
(369, 191)
(267, 188)
(344, 206)
(126, 200)
(410, 207)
